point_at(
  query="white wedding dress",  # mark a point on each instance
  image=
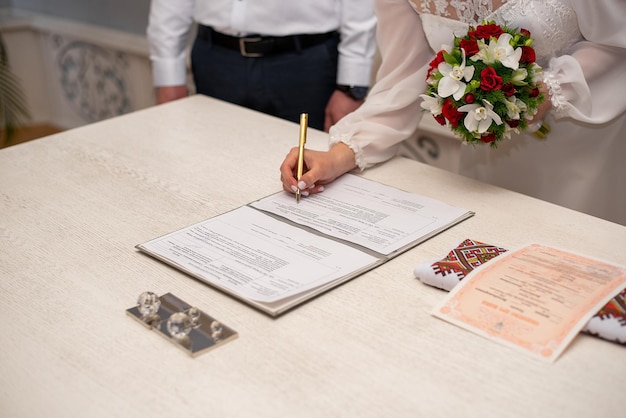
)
(581, 45)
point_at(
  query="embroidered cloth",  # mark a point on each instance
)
(608, 323)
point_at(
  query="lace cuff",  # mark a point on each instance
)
(346, 138)
(555, 94)
(569, 91)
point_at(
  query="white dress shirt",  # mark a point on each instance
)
(171, 20)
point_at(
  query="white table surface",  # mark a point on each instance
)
(74, 205)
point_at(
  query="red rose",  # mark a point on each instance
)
(513, 123)
(528, 55)
(486, 31)
(440, 119)
(490, 80)
(470, 46)
(488, 138)
(525, 32)
(469, 98)
(508, 89)
(449, 111)
(435, 63)
(534, 92)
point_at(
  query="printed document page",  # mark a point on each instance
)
(535, 299)
(373, 215)
(253, 255)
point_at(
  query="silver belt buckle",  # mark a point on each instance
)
(242, 47)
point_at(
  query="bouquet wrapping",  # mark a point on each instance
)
(486, 85)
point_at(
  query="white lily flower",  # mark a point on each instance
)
(433, 104)
(452, 82)
(536, 71)
(530, 114)
(519, 76)
(479, 118)
(514, 107)
(499, 50)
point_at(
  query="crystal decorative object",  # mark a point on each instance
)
(194, 314)
(148, 304)
(216, 330)
(179, 325)
(184, 325)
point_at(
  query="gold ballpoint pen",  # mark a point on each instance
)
(304, 118)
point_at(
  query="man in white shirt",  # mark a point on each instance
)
(282, 57)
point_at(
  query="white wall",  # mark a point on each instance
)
(75, 73)
(125, 15)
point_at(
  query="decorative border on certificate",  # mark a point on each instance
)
(535, 299)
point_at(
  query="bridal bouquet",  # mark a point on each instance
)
(485, 85)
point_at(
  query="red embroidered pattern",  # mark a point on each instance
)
(615, 309)
(468, 255)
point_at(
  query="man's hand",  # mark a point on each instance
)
(168, 93)
(339, 105)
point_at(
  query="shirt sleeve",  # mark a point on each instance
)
(358, 42)
(169, 25)
(392, 110)
(588, 83)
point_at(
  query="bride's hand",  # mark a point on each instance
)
(542, 111)
(321, 168)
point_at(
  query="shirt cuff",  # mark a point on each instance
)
(169, 72)
(354, 72)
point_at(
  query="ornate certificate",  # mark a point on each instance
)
(535, 299)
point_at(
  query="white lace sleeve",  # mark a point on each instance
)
(588, 84)
(391, 112)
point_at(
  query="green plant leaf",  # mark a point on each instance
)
(13, 109)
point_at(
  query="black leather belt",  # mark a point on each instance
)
(259, 46)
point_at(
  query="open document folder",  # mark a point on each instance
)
(275, 253)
